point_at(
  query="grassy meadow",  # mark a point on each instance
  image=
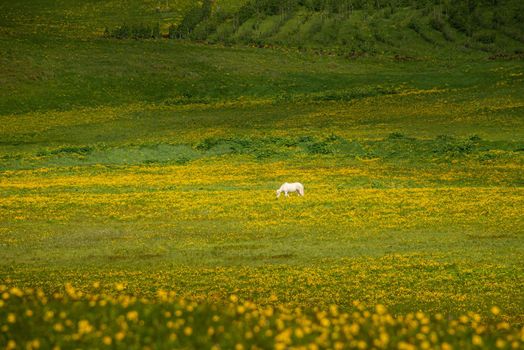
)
(138, 178)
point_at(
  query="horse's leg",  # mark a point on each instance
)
(287, 195)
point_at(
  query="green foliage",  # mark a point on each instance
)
(152, 165)
(438, 24)
(166, 321)
(351, 28)
(83, 150)
(137, 31)
(485, 37)
(321, 23)
(192, 19)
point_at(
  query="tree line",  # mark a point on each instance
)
(458, 13)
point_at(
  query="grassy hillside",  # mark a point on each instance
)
(407, 29)
(353, 28)
(137, 183)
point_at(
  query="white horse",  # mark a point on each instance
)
(294, 187)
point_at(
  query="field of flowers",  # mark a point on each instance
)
(138, 178)
(70, 318)
(379, 254)
(407, 237)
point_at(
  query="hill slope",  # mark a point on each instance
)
(364, 27)
(349, 27)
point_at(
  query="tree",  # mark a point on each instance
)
(192, 18)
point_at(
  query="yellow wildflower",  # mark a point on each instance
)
(495, 310)
(107, 340)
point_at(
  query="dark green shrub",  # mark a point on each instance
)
(475, 138)
(192, 18)
(156, 31)
(396, 136)
(78, 150)
(414, 26)
(122, 32)
(207, 144)
(460, 17)
(182, 160)
(484, 37)
(136, 31)
(306, 138)
(141, 31)
(320, 147)
(437, 23)
(449, 146)
(172, 31)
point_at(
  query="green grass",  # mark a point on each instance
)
(153, 163)
(372, 28)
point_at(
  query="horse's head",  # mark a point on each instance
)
(278, 193)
